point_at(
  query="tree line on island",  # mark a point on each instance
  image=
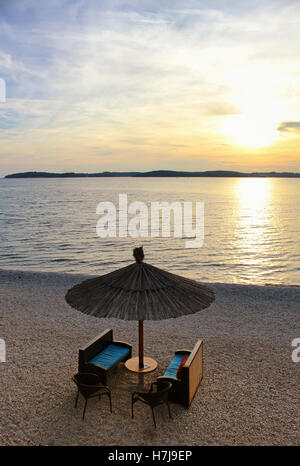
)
(156, 173)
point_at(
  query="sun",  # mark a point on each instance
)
(259, 110)
(250, 130)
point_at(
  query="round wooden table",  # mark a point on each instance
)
(133, 365)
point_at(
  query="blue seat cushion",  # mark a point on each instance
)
(110, 356)
(173, 366)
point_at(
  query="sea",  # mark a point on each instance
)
(250, 227)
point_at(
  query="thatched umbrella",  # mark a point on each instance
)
(140, 292)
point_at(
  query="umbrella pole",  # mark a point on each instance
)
(141, 344)
(140, 364)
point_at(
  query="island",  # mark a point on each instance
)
(157, 174)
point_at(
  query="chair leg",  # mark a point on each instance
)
(153, 417)
(76, 400)
(84, 408)
(170, 415)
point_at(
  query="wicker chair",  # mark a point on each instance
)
(153, 398)
(89, 385)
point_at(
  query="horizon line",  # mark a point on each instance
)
(153, 173)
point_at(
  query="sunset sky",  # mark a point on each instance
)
(141, 85)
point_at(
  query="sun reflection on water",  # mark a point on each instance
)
(253, 227)
(253, 194)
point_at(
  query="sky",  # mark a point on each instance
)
(145, 84)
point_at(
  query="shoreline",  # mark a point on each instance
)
(248, 395)
(84, 276)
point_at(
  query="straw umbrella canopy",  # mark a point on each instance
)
(140, 292)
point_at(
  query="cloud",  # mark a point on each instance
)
(136, 73)
(287, 126)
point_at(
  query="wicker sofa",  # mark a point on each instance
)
(102, 354)
(184, 389)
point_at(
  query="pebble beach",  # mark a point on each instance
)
(249, 394)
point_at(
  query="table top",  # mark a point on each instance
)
(133, 365)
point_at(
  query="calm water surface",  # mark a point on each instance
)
(252, 227)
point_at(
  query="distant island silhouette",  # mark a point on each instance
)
(158, 173)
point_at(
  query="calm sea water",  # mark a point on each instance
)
(252, 227)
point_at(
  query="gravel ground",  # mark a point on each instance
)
(248, 396)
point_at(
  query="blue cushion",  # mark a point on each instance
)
(175, 363)
(110, 356)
